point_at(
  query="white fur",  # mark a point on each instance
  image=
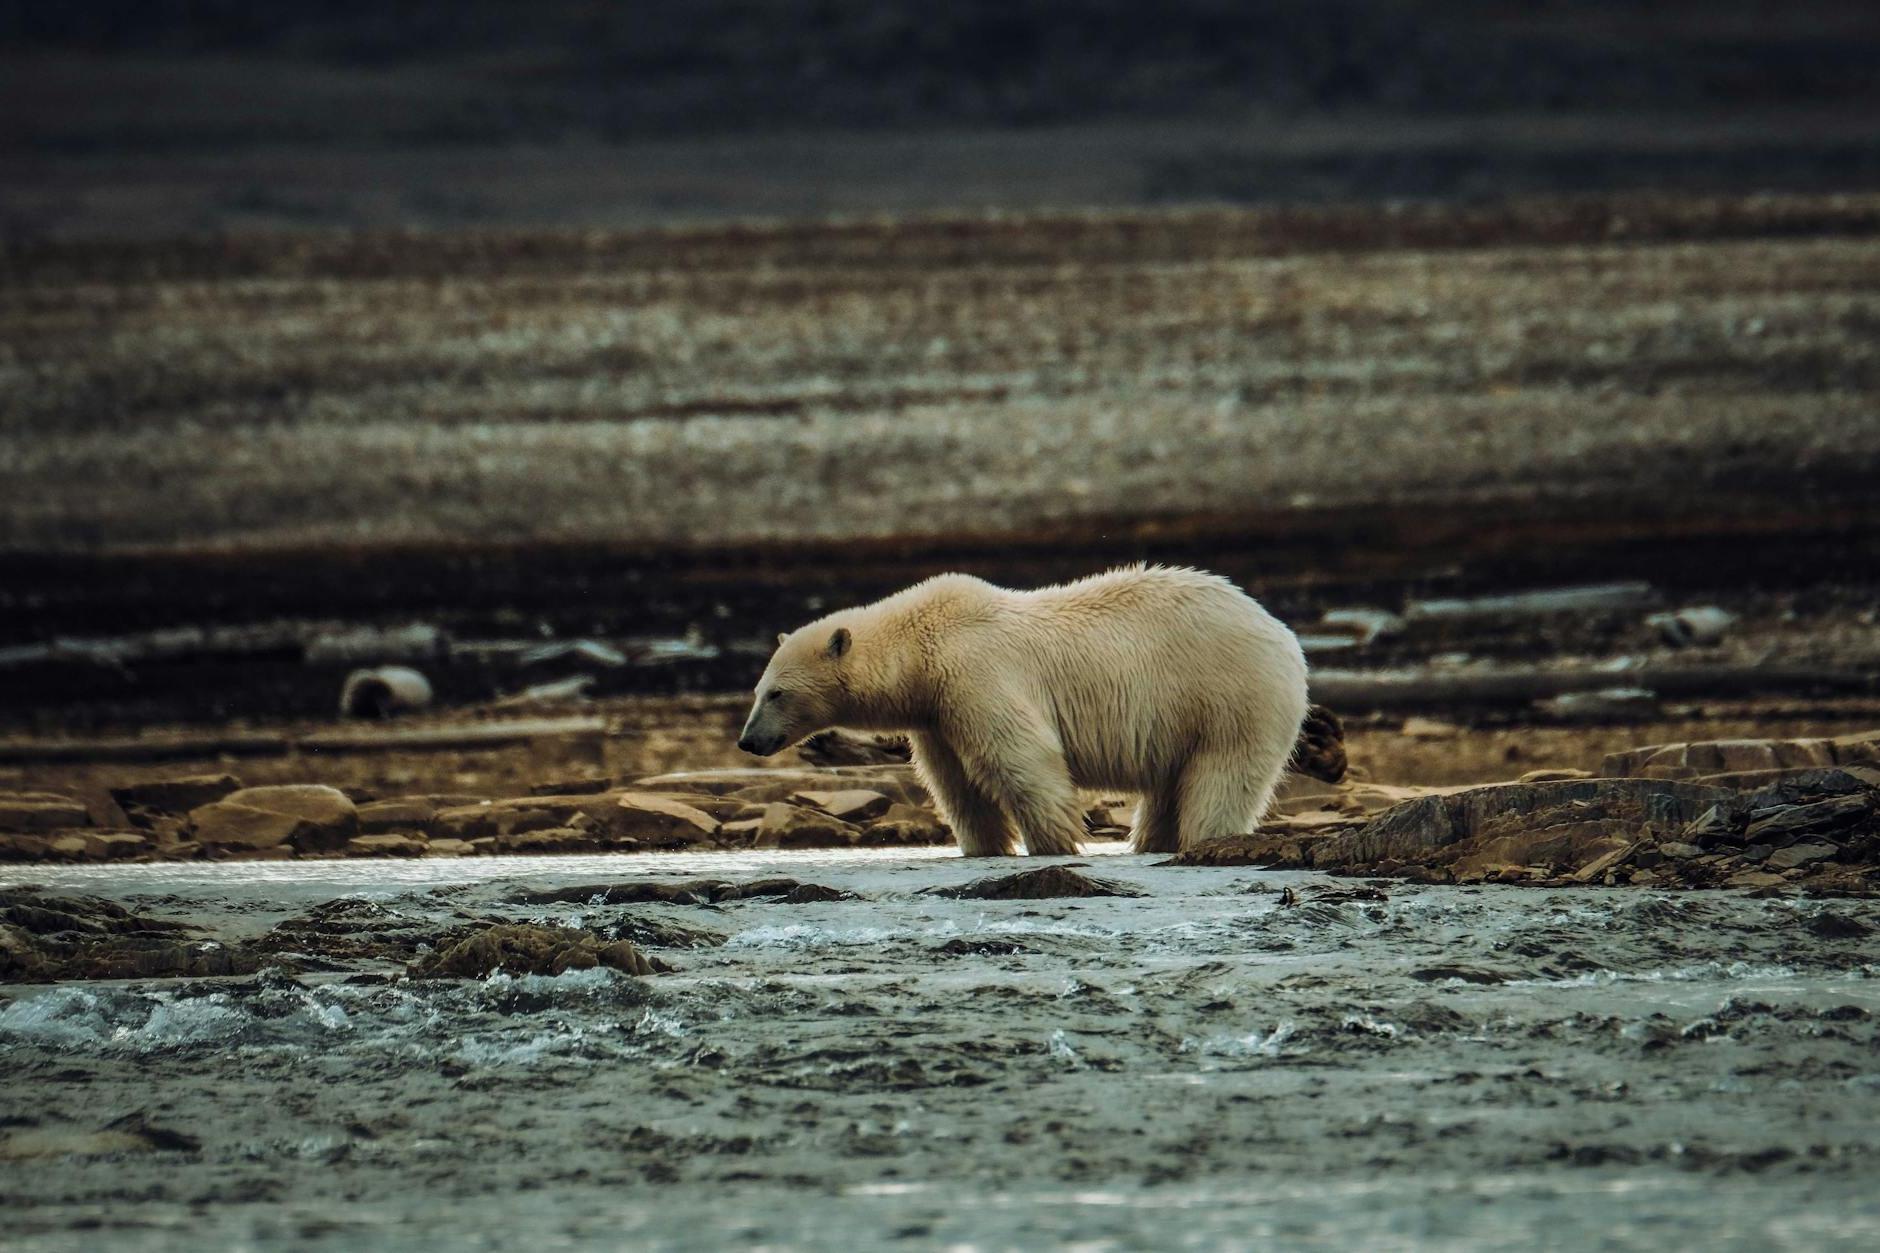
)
(1168, 682)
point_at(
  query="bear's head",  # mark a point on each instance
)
(804, 690)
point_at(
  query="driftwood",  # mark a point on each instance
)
(1354, 689)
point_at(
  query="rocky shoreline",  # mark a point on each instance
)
(1757, 814)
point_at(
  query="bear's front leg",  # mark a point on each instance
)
(1018, 763)
(979, 825)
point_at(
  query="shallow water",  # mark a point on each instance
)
(1202, 1066)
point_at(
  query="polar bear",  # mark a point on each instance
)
(1171, 683)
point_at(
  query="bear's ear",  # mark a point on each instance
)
(781, 637)
(839, 643)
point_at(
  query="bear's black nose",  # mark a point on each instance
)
(744, 742)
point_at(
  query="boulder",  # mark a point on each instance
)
(849, 804)
(309, 817)
(448, 848)
(529, 950)
(41, 811)
(143, 802)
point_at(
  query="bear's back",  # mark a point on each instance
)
(1134, 667)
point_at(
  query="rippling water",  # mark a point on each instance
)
(1207, 1064)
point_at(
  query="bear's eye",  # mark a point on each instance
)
(776, 694)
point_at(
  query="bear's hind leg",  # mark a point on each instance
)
(1222, 794)
(1158, 822)
(979, 825)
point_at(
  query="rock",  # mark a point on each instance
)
(1782, 823)
(553, 840)
(1558, 774)
(116, 845)
(907, 825)
(1859, 748)
(850, 804)
(1444, 829)
(385, 846)
(791, 826)
(529, 950)
(660, 821)
(1430, 729)
(1801, 855)
(45, 937)
(1289, 851)
(741, 831)
(1563, 846)
(1828, 926)
(1718, 824)
(279, 852)
(1608, 860)
(142, 802)
(401, 813)
(1706, 757)
(898, 783)
(1045, 883)
(448, 848)
(68, 847)
(40, 811)
(310, 817)
(1678, 851)
(23, 847)
(512, 817)
(1753, 879)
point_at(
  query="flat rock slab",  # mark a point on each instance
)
(848, 804)
(1044, 883)
(41, 811)
(1428, 828)
(1711, 757)
(174, 796)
